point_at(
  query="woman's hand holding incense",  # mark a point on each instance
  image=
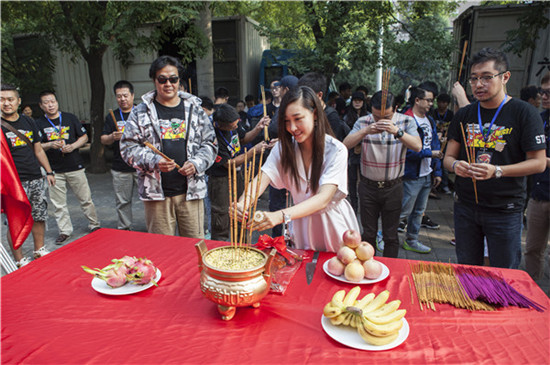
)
(265, 220)
(166, 165)
(482, 171)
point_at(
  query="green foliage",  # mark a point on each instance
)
(529, 23)
(340, 38)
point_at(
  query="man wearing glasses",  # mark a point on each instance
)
(172, 188)
(417, 180)
(493, 144)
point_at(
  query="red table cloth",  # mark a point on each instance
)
(51, 315)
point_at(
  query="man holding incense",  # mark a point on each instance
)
(384, 136)
(493, 144)
(124, 176)
(173, 123)
(229, 133)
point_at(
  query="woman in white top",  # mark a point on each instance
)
(312, 165)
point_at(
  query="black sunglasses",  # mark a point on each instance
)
(173, 79)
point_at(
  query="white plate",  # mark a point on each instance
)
(385, 273)
(128, 288)
(348, 336)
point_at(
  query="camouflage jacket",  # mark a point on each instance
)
(142, 126)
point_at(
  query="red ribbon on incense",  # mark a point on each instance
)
(265, 241)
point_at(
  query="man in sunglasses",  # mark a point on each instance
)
(172, 186)
(492, 145)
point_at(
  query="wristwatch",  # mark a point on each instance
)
(286, 218)
(399, 133)
(498, 172)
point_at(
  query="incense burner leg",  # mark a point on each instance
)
(226, 312)
(256, 305)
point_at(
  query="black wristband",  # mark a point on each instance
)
(50, 173)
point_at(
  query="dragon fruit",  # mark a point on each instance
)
(126, 260)
(142, 272)
(113, 275)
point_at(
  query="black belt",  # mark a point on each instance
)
(382, 184)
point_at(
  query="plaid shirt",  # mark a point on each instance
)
(382, 155)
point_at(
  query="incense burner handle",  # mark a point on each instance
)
(267, 272)
(201, 250)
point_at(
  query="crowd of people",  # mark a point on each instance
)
(329, 159)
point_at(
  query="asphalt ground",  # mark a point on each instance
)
(439, 210)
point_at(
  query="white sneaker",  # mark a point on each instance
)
(42, 251)
(24, 261)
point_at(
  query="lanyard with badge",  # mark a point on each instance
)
(121, 128)
(483, 155)
(58, 130)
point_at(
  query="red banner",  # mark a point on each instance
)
(14, 200)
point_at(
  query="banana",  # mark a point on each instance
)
(348, 318)
(365, 301)
(338, 298)
(376, 340)
(331, 311)
(388, 318)
(386, 308)
(378, 302)
(352, 295)
(381, 330)
(339, 319)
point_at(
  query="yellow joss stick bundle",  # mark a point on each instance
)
(252, 194)
(190, 90)
(243, 219)
(462, 60)
(256, 192)
(468, 156)
(266, 134)
(235, 225)
(230, 201)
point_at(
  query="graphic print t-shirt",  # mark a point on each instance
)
(517, 130)
(173, 130)
(69, 129)
(23, 155)
(109, 127)
(228, 147)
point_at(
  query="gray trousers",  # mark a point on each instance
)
(538, 227)
(124, 184)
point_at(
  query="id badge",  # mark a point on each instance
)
(483, 156)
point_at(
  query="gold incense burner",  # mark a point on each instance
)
(234, 288)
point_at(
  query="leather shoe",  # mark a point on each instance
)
(61, 238)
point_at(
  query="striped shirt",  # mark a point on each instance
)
(382, 155)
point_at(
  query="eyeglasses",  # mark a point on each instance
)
(484, 79)
(544, 92)
(173, 79)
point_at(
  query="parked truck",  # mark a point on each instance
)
(487, 26)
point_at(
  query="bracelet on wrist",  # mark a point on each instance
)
(453, 165)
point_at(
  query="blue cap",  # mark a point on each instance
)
(289, 81)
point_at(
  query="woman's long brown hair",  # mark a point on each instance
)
(310, 101)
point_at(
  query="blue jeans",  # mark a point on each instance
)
(503, 232)
(415, 199)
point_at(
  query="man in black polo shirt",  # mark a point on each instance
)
(62, 136)
(124, 176)
(20, 131)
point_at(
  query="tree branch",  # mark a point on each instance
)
(66, 8)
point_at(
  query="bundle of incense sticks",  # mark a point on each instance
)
(470, 153)
(462, 60)
(437, 283)
(266, 134)
(159, 153)
(385, 88)
(465, 287)
(240, 239)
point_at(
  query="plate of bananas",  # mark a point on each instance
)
(371, 323)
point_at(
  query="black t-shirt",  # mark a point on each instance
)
(109, 127)
(339, 128)
(173, 130)
(70, 128)
(228, 147)
(25, 160)
(517, 130)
